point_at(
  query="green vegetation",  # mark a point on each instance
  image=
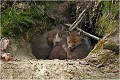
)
(109, 20)
(26, 20)
(30, 19)
(111, 45)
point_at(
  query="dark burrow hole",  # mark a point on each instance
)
(42, 48)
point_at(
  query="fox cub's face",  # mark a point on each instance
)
(60, 38)
(73, 40)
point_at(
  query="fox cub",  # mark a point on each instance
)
(58, 52)
(77, 47)
(43, 44)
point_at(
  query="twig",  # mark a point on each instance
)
(102, 41)
(88, 34)
(73, 26)
(78, 20)
(76, 23)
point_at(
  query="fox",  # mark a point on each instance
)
(77, 47)
(43, 44)
(58, 52)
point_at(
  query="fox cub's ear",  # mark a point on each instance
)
(59, 35)
(68, 32)
(60, 27)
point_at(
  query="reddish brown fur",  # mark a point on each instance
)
(75, 49)
(73, 40)
(58, 53)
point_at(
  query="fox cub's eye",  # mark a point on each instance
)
(74, 41)
(68, 41)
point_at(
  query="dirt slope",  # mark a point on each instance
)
(57, 70)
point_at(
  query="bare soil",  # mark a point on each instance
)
(25, 66)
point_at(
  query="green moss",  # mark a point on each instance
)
(26, 23)
(99, 56)
(111, 45)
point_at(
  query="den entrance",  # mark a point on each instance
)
(73, 33)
